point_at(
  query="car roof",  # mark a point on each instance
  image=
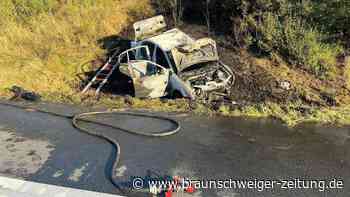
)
(171, 39)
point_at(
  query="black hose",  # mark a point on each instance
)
(80, 117)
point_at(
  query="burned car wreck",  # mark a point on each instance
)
(171, 64)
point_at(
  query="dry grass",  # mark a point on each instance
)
(43, 49)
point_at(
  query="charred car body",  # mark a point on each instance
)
(170, 63)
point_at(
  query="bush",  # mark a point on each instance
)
(334, 17)
(301, 44)
(297, 30)
(283, 26)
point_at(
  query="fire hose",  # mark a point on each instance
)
(82, 117)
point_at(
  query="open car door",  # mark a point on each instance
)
(150, 79)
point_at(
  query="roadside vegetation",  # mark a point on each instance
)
(304, 43)
(308, 34)
(45, 43)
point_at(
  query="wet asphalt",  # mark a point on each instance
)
(206, 148)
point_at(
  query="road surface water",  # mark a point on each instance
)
(207, 148)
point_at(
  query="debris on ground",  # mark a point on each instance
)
(20, 93)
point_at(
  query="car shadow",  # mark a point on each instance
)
(118, 83)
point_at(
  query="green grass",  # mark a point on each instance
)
(291, 114)
(300, 44)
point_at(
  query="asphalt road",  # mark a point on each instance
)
(206, 148)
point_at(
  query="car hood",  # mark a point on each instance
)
(202, 50)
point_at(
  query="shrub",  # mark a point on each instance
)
(298, 43)
(333, 16)
(286, 27)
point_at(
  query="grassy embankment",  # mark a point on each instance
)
(44, 44)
